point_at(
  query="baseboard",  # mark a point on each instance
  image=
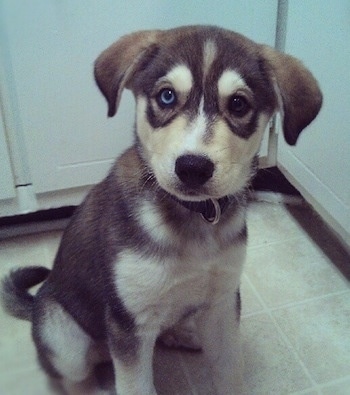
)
(40, 221)
(342, 234)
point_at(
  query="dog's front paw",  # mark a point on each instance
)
(182, 338)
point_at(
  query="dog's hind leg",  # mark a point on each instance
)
(132, 354)
(64, 349)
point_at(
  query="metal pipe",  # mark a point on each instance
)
(11, 114)
(280, 45)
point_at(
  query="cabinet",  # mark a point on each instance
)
(50, 48)
(320, 163)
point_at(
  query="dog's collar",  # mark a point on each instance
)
(210, 210)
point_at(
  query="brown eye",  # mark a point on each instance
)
(238, 106)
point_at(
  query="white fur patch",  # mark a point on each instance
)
(68, 343)
(209, 55)
(180, 77)
(229, 82)
(235, 226)
(152, 221)
(196, 130)
(141, 283)
(160, 290)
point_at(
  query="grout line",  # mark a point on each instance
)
(274, 242)
(334, 382)
(269, 311)
(307, 391)
(289, 305)
(320, 387)
(309, 300)
(284, 337)
(255, 292)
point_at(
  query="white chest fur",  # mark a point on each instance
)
(163, 291)
(198, 270)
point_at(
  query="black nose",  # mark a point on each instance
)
(194, 170)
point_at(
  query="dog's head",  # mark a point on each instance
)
(204, 97)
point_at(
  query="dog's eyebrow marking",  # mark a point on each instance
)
(209, 55)
(180, 77)
(229, 82)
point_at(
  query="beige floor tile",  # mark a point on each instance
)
(15, 342)
(22, 251)
(51, 245)
(319, 332)
(340, 388)
(270, 365)
(36, 249)
(250, 302)
(28, 381)
(292, 271)
(269, 223)
(19, 371)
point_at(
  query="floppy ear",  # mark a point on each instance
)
(117, 64)
(297, 91)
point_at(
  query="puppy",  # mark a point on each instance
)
(157, 248)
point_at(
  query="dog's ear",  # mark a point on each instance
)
(298, 94)
(117, 64)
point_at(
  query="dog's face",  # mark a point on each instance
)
(204, 97)
(201, 116)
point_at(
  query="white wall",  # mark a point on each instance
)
(319, 34)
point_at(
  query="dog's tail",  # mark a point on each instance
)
(15, 298)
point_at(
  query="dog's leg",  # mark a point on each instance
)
(86, 387)
(183, 335)
(64, 349)
(219, 331)
(132, 355)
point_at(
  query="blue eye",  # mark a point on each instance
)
(166, 98)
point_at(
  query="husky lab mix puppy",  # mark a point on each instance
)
(156, 249)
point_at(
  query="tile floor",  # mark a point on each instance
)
(296, 313)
